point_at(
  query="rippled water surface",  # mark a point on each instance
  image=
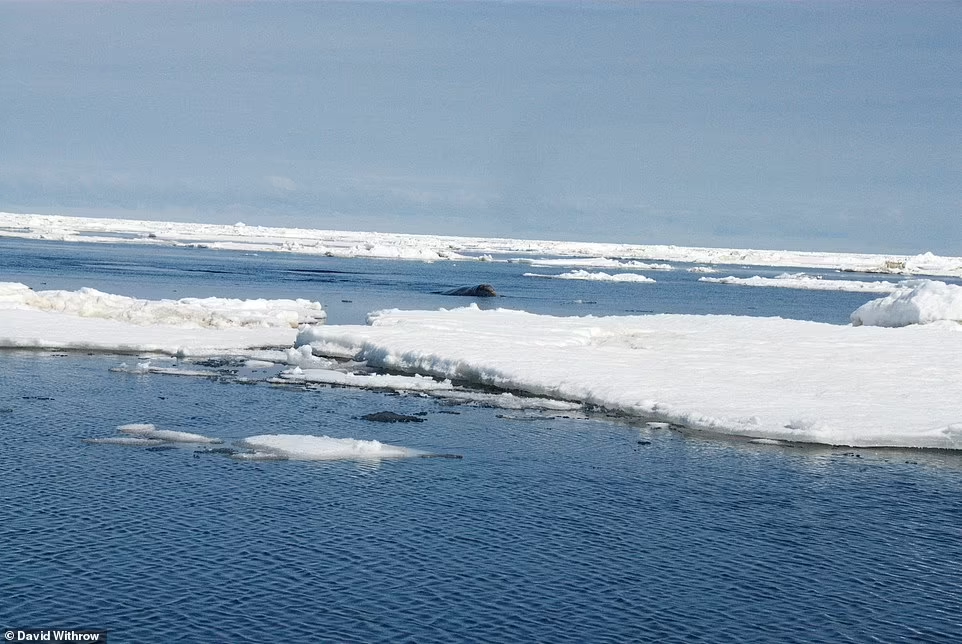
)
(548, 529)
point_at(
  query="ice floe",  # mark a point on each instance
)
(756, 377)
(130, 441)
(805, 282)
(148, 430)
(914, 302)
(267, 447)
(593, 262)
(321, 448)
(210, 312)
(87, 319)
(596, 276)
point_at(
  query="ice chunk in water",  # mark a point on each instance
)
(319, 448)
(148, 430)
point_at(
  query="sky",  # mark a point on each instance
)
(798, 125)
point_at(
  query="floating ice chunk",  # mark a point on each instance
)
(258, 456)
(915, 302)
(805, 282)
(303, 356)
(373, 381)
(596, 277)
(145, 368)
(258, 364)
(136, 428)
(595, 262)
(211, 312)
(148, 430)
(702, 269)
(90, 320)
(321, 448)
(132, 441)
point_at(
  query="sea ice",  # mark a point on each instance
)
(593, 262)
(210, 312)
(596, 277)
(914, 302)
(148, 430)
(754, 377)
(805, 282)
(322, 448)
(440, 247)
(367, 381)
(90, 320)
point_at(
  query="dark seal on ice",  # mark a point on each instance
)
(391, 417)
(481, 290)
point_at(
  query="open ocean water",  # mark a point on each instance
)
(550, 529)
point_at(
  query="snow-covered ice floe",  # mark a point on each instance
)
(913, 302)
(442, 247)
(593, 262)
(805, 282)
(319, 448)
(88, 319)
(757, 377)
(189, 312)
(596, 276)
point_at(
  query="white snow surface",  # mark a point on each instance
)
(87, 319)
(805, 282)
(437, 247)
(914, 302)
(322, 448)
(757, 377)
(596, 277)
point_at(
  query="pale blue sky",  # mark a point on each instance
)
(824, 126)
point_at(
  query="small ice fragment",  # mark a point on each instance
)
(148, 430)
(132, 441)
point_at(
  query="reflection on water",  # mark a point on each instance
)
(552, 529)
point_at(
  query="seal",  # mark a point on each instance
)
(481, 290)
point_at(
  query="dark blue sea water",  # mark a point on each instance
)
(550, 529)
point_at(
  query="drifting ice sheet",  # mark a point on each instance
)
(189, 312)
(90, 320)
(594, 262)
(756, 377)
(596, 277)
(323, 448)
(147, 430)
(805, 282)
